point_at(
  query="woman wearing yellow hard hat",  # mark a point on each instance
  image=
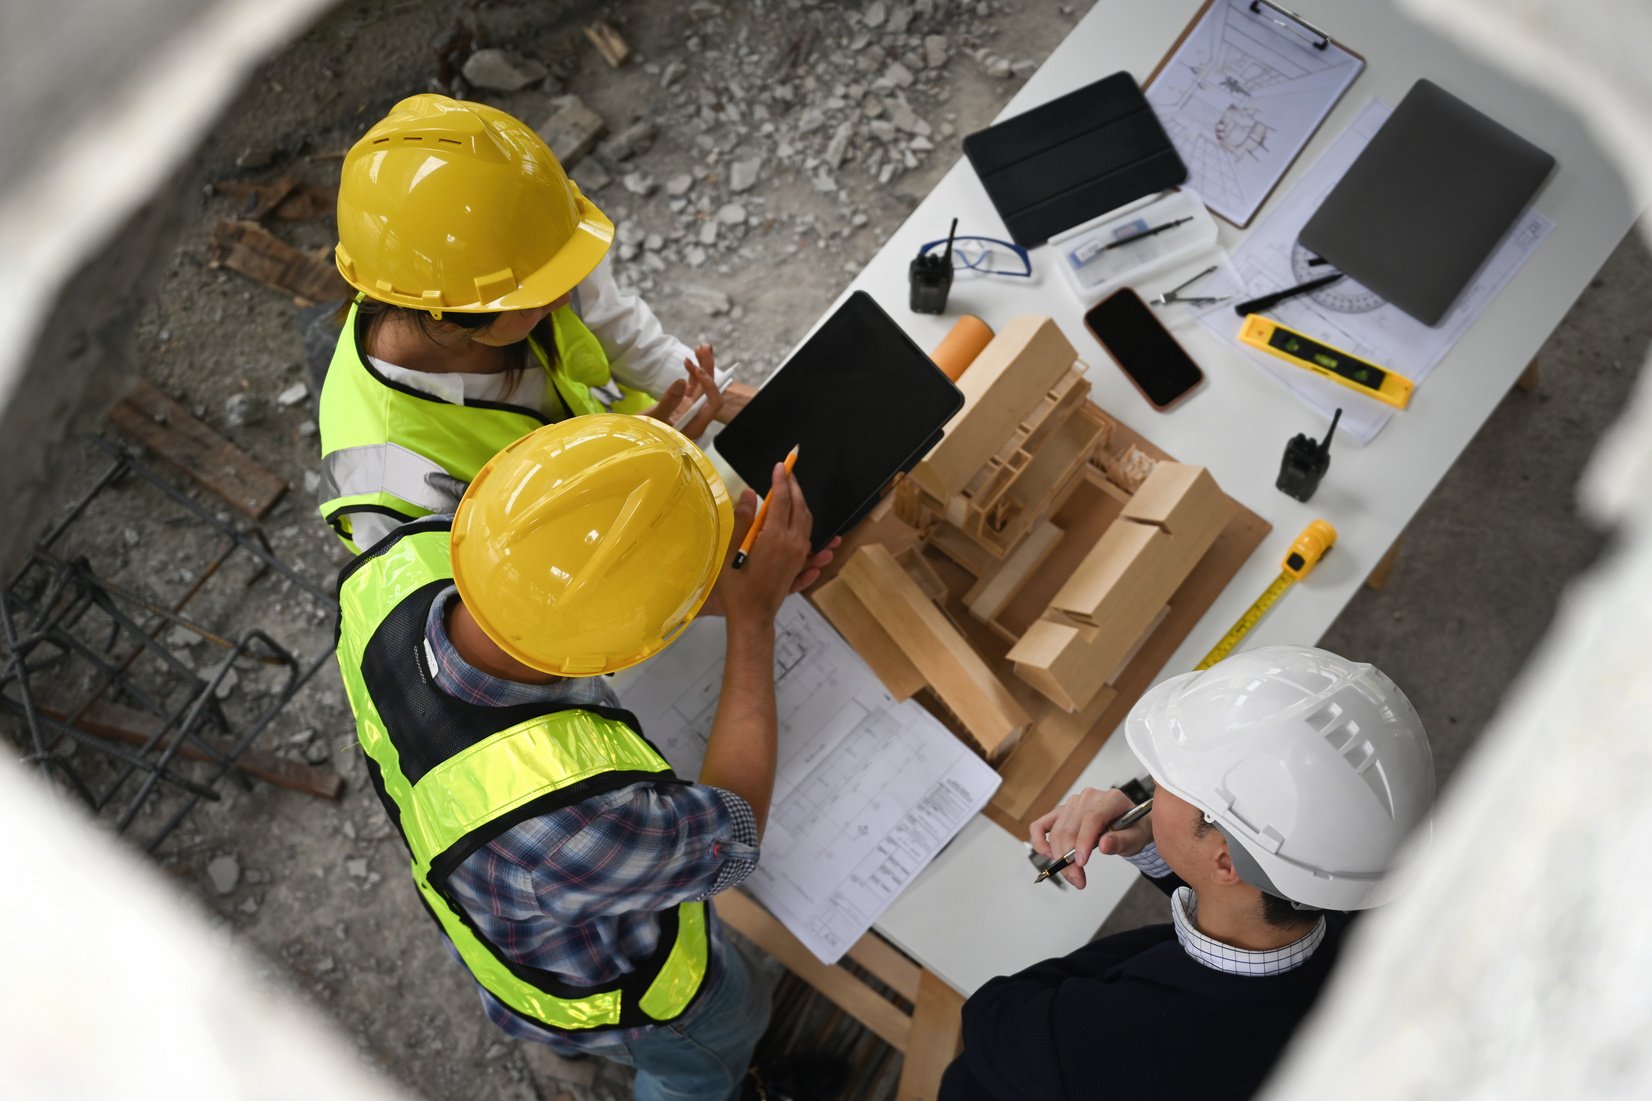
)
(569, 868)
(486, 309)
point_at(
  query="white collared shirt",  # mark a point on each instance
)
(1184, 908)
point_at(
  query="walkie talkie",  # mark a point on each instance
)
(1305, 463)
(931, 277)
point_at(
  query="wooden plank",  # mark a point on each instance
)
(854, 997)
(254, 251)
(608, 42)
(1002, 386)
(989, 595)
(937, 1037)
(172, 432)
(844, 611)
(123, 724)
(287, 199)
(949, 665)
(888, 963)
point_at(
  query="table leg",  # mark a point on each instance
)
(937, 1022)
(1377, 580)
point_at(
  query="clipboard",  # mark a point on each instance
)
(1240, 92)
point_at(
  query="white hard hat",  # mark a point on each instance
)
(1315, 768)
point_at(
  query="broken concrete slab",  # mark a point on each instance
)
(572, 130)
(502, 70)
(634, 139)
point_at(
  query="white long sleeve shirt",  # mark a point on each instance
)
(641, 354)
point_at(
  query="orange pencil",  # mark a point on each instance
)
(762, 511)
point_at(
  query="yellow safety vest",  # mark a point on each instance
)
(454, 775)
(390, 449)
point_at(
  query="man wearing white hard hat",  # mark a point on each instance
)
(1287, 780)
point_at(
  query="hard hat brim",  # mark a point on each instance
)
(564, 271)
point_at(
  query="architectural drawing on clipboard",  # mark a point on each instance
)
(1241, 94)
(867, 789)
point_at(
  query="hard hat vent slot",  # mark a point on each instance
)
(1346, 740)
(1325, 717)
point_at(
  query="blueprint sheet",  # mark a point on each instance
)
(1241, 97)
(867, 790)
(1345, 315)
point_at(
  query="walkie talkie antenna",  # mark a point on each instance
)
(950, 234)
(1326, 446)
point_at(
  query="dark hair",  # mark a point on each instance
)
(371, 311)
(1281, 913)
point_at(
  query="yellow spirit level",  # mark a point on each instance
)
(1325, 361)
(1314, 543)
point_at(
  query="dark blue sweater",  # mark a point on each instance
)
(1132, 1016)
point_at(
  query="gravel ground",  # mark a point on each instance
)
(755, 155)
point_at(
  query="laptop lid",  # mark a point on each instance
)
(1427, 202)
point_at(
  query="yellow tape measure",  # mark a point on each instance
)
(1314, 543)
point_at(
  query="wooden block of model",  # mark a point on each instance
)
(889, 620)
(1113, 598)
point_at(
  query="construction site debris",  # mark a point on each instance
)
(285, 199)
(572, 129)
(502, 71)
(608, 43)
(254, 251)
(169, 430)
(225, 873)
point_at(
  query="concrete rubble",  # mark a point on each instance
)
(751, 156)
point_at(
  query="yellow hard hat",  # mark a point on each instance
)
(449, 205)
(588, 545)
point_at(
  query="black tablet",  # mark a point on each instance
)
(860, 400)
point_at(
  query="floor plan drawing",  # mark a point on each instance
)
(867, 789)
(1240, 98)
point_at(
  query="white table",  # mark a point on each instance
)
(974, 913)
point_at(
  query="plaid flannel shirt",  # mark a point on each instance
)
(577, 891)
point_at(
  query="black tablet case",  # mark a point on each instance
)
(1074, 158)
(860, 400)
(1427, 202)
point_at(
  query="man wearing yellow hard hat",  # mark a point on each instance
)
(567, 866)
(486, 308)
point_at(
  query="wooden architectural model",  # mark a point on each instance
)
(1030, 576)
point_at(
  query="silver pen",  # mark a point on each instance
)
(1122, 822)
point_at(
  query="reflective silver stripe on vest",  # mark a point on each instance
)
(389, 468)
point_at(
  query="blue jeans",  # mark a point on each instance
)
(703, 1055)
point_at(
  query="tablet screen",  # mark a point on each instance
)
(860, 400)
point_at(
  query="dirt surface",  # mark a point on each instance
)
(848, 113)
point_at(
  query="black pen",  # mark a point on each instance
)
(1088, 252)
(1269, 301)
(1122, 822)
(1149, 233)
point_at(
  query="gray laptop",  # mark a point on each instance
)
(1427, 202)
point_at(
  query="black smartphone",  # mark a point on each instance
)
(1141, 345)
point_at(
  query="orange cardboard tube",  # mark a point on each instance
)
(958, 349)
